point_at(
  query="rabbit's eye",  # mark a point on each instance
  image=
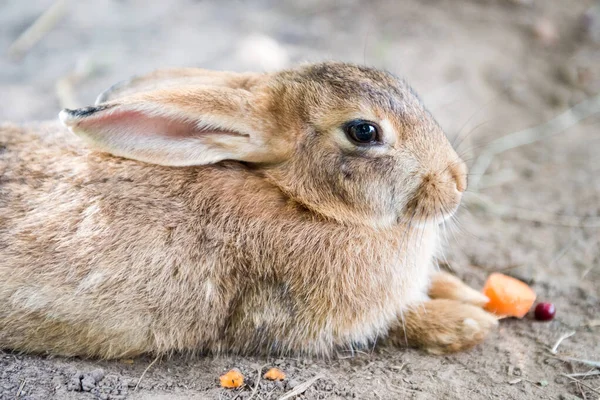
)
(362, 132)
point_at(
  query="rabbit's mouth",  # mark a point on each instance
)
(419, 216)
(447, 215)
(433, 203)
(437, 197)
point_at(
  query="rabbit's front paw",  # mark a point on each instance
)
(445, 326)
(447, 286)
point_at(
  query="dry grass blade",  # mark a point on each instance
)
(591, 363)
(65, 92)
(488, 205)
(65, 86)
(255, 390)
(559, 341)
(580, 382)
(301, 388)
(21, 386)
(550, 128)
(587, 271)
(144, 373)
(38, 29)
(583, 374)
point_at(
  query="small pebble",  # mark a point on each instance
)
(97, 374)
(75, 383)
(88, 383)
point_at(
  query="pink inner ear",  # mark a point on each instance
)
(143, 125)
(138, 123)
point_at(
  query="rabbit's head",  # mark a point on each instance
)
(350, 143)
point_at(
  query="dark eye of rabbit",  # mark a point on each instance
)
(362, 132)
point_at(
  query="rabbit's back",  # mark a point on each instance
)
(107, 247)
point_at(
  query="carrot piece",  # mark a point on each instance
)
(274, 374)
(232, 379)
(508, 296)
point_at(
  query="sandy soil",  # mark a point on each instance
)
(485, 68)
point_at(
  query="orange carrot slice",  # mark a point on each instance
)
(232, 379)
(508, 296)
(274, 374)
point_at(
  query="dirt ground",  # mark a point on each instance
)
(485, 68)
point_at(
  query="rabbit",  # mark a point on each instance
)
(294, 212)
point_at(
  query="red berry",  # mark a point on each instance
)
(545, 311)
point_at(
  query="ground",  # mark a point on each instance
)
(485, 68)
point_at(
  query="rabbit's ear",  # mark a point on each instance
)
(194, 125)
(178, 77)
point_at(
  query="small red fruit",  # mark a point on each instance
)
(545, 311)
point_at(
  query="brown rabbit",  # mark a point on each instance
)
(255, 213)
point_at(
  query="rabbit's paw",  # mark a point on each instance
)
(444, 326)
(447, 286)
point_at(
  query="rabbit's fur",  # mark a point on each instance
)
(232, 214)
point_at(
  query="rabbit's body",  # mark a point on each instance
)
(154, 292)
(106, 256)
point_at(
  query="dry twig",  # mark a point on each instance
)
(559, 341)
(580, 382)
(398, 367)
(591, 363)
(587, 271)
(535, 384)
(530, 215)
(65, 86)
(21, 386)
(38, 29)
(301, 388)
(593, 323)
(550, 128)
(144, 373)
(583, 374)
(255, 390)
